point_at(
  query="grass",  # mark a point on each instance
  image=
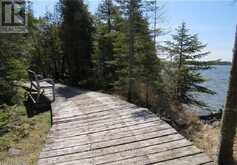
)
(25, 134)
(208, 139)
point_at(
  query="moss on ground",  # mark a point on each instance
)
(24, 134)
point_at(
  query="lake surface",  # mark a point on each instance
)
(218, 81)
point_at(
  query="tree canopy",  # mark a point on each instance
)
(185, 50)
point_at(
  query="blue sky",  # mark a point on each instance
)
(214, 20)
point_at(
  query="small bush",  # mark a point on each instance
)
(18, 124)
(12, 72)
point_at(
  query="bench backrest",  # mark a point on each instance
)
(33, 77)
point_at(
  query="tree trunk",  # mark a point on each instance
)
(109, 5)
(229, 120)
(131, 49)
(147, 94)
(155, 24)
(63, 68)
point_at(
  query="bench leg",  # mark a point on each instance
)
(53, 91)
(51, 116)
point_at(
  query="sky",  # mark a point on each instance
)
(213, 20)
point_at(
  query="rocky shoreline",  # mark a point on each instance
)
(204, 114)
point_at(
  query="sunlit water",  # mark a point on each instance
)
(218, 79)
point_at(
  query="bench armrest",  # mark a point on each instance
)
(48, 80)
(40, 76)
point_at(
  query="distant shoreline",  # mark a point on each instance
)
(215, 62)
(222, 63)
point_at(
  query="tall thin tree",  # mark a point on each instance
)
(105, 25)
(76, 35)
(131, 49)
(229, 120)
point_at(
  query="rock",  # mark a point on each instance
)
(197, 111)
(181, 123)
(14, 152)
(205, 114)
(216, 124)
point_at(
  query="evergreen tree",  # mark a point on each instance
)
(148, 71)
(185, 51)
(107, 17)
(142, 61)
(76, 35)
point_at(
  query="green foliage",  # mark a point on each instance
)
(13, 66)
(4, 117)
(47, 53)
(14, 61)
(141, 64)
(13, 120)
(15, 69)
(107, 19)
(76, 36)
(26, 134)
(185, 51)
(63, 45)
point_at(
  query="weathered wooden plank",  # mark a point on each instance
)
(159, 157)
(67, 131)
(209, 163)
(130, 154)
(100, 121)
(197, 159)
(104, 155)
(127, 113)
(113, 149)
(79, 113)
(95, 107)
(77, 117)
(96, 110)
(95, 128)
(155, 126)
(110, 135)
(141, 159)
(112, 142)
(88, 130)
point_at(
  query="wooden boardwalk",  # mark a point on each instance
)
(92, 128)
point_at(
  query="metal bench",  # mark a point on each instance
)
(38, 84)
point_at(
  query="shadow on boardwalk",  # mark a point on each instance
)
(68, 92)
(143, 114)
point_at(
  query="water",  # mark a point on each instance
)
(218, 81)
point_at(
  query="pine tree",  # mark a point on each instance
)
(107, 16)
(185, 50)
(142, 61)
(76, 35)
(148, 62)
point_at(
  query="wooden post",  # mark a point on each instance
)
(229, 119)
(51, 116)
